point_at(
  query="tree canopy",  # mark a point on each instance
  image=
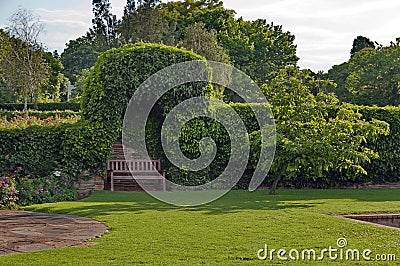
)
(360, 43)
(370, 77)
(311, 140)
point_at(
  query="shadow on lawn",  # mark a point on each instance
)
(106, 202)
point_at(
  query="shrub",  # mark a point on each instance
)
(108, 89)
(8, 193)
(87, 146)
(386, 168)
(55, 187)
(32, 144)
(119, 72)
(8, 115)
(42, 106)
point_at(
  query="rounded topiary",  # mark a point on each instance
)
(119, 72)
(108, 89)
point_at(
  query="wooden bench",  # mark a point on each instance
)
(121, 169)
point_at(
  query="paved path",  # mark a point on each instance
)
(22, 231)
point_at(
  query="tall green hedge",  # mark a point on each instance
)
(8, 114)
(109, 87)
(199, 128)
(382, 170)
(387, 167)
(34, 150)
(42, 106)
(119, 72)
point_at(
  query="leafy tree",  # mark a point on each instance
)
(77, 92)
(129, 8)
(187, 9)
(257, 48)
(370, 77)
(374, 76)
(146, 24)
(104, 25)
(204, 43)
(360, 43)
(22, 59)
(23, 69)
(80, 54)
(57, 84)
(309, 139)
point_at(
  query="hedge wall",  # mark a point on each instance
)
(42, 106)
(119, 72)
(34, 150)
(108, 89)
(382, 170)
(387, 167)
(200, 128)
(8, 114)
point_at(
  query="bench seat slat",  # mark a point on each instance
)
(141, 169)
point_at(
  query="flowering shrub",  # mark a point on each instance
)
(25, 190)
(33, 142)
(53, 188)
(25, 121)
(8, 193)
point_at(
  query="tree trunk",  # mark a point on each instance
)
(272, 191)
(34, 102)
(34, 98)
(25, 103)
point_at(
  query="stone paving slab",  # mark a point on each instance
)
(23, 231)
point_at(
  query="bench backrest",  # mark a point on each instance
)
(134, 165)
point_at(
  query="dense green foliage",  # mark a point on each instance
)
(56, 89)
(360, 43)
(87, 146)
(35, 148)
(204, 42)
(42, 106)
(108, 89)
(386, 168)
(78, 55)
(258, 48)
(119, 72)
(6, 114)
(370, 77)
(31, 152)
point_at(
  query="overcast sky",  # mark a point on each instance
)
(324, 29)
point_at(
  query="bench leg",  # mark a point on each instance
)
(112, 182)
(163, 183)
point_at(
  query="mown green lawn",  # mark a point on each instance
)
(228, 231)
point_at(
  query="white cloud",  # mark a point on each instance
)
(63, 25)
(325, 29)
